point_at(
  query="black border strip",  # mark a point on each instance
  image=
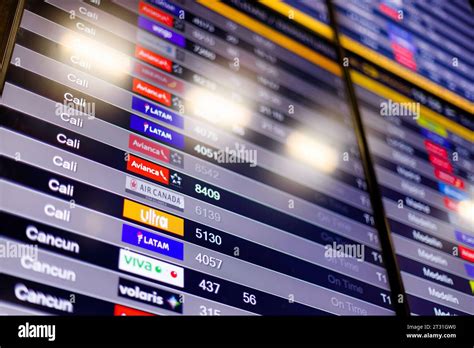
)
(381, 223)
(11, 29)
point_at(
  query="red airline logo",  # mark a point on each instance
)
(441, 163)
(466, 254)
(436, 149)
(450, 204)
(151, 92)
(149, 148)
(449, 178)
(153, 58)
(157, 77)
(148, 169)
(127, 311)
(156, 14)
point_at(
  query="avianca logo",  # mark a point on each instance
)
(153, 58)
(156, 14)
(148, 169)
(151, 92)
(149, 148)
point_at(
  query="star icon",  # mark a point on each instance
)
(173, 302)
(175, 179)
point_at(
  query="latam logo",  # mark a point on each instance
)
(438, 139)
(148, 169)
(162, 32)
(153, 58)
(465, 238)
(154, 193)
(156, 131)
(153, 217)
(157, 112)
(151, 92)
(150, 295)
(466, 253)
(122, 311)
(148, 267)
(153, 242)
(149, 148)
(449, 178)
(156, 14)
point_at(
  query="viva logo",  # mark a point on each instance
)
(135, 262)
(151, 268)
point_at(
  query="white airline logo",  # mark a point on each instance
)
(154, 192)
(151, 268)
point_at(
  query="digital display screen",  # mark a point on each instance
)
(190, 158)
(414, 81)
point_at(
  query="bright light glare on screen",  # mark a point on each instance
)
(104, 58)
(217, 109)
(466, 210)
(312, 152)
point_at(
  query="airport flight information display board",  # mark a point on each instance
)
(413, 70)
(179, 157)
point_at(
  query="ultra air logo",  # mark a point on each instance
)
(151, 268)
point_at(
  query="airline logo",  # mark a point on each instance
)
(449, 178)
(151, 92)
(153, 242)
(148, 148)
(149, 295)
(469, 270)
(440, 163)
(167, 6)
(156, 44)
(450, 204)
(148, 169)
(156, 131)
(148, 267)
(158, 77)
(153, 58)
(122, 311)
(452, 192)
(154, 193)
(153, 217)
(432, 126)
(464, 238)
(162, 32)
(435, 138)
(156, 14)
(157, 112)
(435, 149)
(466, 253)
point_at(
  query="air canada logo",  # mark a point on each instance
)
(133, 184)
